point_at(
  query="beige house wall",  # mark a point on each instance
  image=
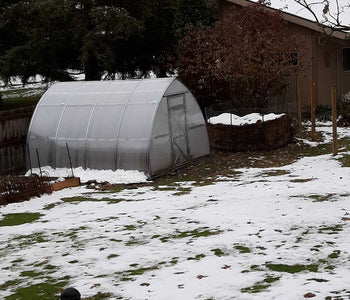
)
(320, 59)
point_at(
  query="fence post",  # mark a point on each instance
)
(313, 117)
(334, 119)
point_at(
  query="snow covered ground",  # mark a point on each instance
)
(114, 177)
(232, 119)
(272, 233)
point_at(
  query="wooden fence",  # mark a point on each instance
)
(13, 133)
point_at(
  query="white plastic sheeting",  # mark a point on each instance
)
(150, 125)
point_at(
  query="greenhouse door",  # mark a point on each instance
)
(178, 128)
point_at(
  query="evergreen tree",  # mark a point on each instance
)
(194, 13)
(128, 38)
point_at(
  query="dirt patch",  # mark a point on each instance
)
(267, 135)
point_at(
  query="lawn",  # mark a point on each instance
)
(272, 225)
(16, 97)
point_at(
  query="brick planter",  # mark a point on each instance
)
(267, 135)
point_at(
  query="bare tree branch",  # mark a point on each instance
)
(331, 13)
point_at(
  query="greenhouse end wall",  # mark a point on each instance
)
(150, 125)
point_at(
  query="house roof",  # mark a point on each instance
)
(292, 18)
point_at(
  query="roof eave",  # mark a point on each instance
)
(299, 21)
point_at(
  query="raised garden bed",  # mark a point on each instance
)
(22, 188)
(272, 134)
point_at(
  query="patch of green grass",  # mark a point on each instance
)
(197, 257)
(335, 229)
(130, 227)
(102, 296)
(204, 182)
(112, 256)
(125, 278)
(183, 191)
(19, 219)
(218, 252)
(196, 233)
(31, 274)
(50, 206)
(274, 173)
(117, 188)
(260, 286)
(44, 291)
(50, 267)
(300, 180)
(302, 235)
(174, 261)
(140, 271)
(134, 265)
(292, 268)
(318, 279)
(31, 239)
(10, 283)
(334, 254)
(76, 199)
(322, 198)
(73, 261)
(255, 268)
(242, 249)
(134, 241)
(16, 98)
(115, 240)
(86, 198)
(164, 188)
(345, 160)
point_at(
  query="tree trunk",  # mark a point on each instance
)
(1, 106)
(91, 67)
(90, 62)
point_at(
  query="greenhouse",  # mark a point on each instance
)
(150, 125)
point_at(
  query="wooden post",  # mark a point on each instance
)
(313, 117)
(334, 119)
(299, 101)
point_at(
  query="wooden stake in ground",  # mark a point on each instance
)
(298, 101)
(334, 119)
(313, 104)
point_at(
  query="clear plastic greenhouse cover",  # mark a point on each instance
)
(150, 125)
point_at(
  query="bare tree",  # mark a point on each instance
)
(243, 60)
(332, 12)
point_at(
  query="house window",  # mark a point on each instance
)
(346, 59)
